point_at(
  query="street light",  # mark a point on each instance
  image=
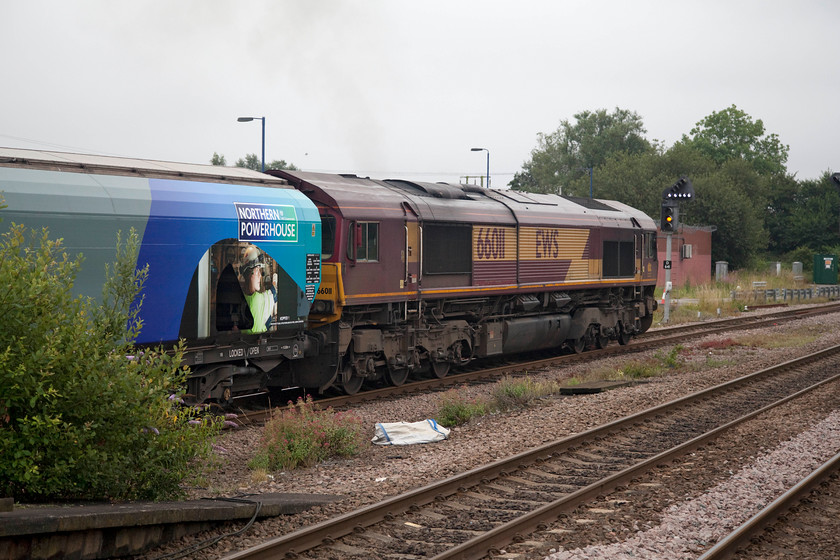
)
(249, 119)
(488, 162)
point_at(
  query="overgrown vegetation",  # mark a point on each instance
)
(83, 414)
(656, 365)
(729, 297)
(456, 407)
(301, 435)
(511, 393)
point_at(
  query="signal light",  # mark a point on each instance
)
(681, 190)
(668, 222)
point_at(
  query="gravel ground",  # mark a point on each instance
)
(380, 472)
(686, 529)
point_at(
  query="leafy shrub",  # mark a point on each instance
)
(83, 414)
(300, 435)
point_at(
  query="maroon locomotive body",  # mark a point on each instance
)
(418, 277)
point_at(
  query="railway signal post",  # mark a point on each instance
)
(680, 191)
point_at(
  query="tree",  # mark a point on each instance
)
(725, 199)
(253, 162)
(726, 196)
(803, 214)
(639, 179)
(732, 134)
(570, 151)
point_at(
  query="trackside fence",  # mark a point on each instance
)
(784, 295)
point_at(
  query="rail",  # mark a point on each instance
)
(728, 546)
(655, 422)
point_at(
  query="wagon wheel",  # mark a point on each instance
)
(397, 376)
(226, 399)
(440, 369)
(578, 345)
(350, 382)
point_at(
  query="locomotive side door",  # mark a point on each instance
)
(649, 256)
(638, 249)
(410, 284)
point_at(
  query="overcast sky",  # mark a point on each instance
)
(399, 89)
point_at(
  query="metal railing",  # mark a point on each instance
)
(787, 295)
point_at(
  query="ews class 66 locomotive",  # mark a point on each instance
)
(293, 279)
(419, 277)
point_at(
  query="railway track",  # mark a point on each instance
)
(479, 512)
(738, 543)
(650, 340)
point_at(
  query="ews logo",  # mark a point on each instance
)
(547, 243)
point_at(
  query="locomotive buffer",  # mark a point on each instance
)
(680, 191)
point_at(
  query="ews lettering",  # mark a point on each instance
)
(490, 243)
(548, 243)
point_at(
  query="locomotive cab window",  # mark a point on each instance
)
(650, 246)
(363, 242)
(327, 236)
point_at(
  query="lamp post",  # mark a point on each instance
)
(488, 162)
(249, 119)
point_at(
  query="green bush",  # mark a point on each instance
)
(300, 435)
(83, 414)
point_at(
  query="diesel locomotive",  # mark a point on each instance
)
(419, 277)
(296, 279)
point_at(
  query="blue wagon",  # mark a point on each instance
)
(234, 256)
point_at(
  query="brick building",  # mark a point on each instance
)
(691, 256)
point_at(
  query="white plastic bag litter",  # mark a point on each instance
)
(408, 433)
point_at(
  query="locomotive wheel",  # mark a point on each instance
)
(397, 376)
(601, 340)
(623, 336)
(440, 369)
(645, 323)
(350, 382)
(578, 345)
